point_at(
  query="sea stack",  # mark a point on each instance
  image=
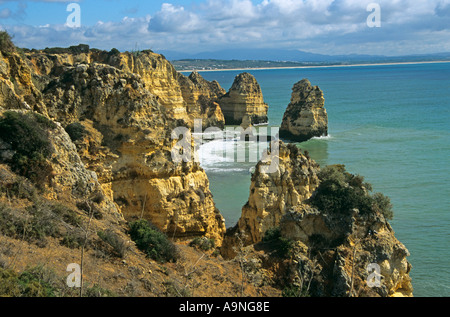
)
(244, 98)
(201, 97)
(306, 116)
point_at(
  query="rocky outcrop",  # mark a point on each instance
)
(333, 237)
(274, 193)
(244, 98)
(184, 98)
(136, 129)
(305, 116)
(357, 251)
(58, 169)
(17, 90)
(202, 98)
(160, 79)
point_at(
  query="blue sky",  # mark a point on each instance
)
(318, 26)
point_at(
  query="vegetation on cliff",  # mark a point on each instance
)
(340, 192)
(152, 241)
(25, 143)
(6, 44)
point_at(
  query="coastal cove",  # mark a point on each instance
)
(388, 123)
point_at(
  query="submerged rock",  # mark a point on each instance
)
(305, 116)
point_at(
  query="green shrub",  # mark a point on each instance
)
(6, 44)
(283, 245)
(20, 188)
(294, 291)
(114, 51)
(27, 135)
(383, 204)
(33, 282)
(37, 222)
(203, 243)
(272, 234)
(152, 241)
(76, 131)
(12, 223)
(73, 240)
(340, 192)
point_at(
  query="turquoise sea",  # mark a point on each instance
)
(388, 123)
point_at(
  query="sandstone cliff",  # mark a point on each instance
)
(184, 99)
(202, 98)
(137, 129)
(17, 90)
(351, 253)
(273, 194)
(305, 116)
(244, 98)
(44, 153)
(124, 115)
(333, 236)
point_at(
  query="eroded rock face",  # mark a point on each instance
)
(293, 180)
(332, 252)
(17, 90)
(183, 98)
(62, 175)
(305, 116)
(136, 131)
(357, 246)
(202, 98)
(244, 98)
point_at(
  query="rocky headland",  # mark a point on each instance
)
(87, 175)
(324, 228)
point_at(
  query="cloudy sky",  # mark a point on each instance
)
(192, 26)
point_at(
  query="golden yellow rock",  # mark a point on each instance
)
(244, 98)
(305, 116)
(135, 148)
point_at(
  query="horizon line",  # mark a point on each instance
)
(315, 66)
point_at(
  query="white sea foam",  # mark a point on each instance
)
(323, 137)
(225, 154)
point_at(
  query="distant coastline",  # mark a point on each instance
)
(313, 66)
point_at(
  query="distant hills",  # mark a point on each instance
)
(261, 58)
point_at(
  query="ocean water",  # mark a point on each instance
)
(388, 123)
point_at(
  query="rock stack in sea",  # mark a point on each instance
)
(244, 99)
(305, 116)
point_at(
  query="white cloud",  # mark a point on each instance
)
(328, 26)
(174, 19)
